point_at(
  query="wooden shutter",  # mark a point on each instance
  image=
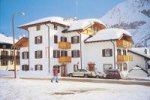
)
(78, 39)
(72, 40)
(110, 51)
(55, 39)
(103, 52)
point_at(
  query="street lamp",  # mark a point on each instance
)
(13, 30)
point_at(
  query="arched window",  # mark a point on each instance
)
(119, 51)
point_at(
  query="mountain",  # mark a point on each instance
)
(134, 16)
(5, 39)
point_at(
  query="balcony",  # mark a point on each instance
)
(64, 45)
(64, 59)
(124, 58)
(124, 44)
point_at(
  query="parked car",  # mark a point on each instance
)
(112, 74)
(82, 73)
(99, 74)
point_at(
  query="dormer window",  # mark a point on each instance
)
(55, 27)
(38, 27)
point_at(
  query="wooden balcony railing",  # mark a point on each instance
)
(64, 45)
(65, 59)
(124, 58)
(124, 44)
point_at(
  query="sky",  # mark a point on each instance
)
(36, 9)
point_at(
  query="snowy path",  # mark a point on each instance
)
(19, 89)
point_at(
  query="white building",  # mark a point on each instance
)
(108, 50)
(56, 41)
(74, 44)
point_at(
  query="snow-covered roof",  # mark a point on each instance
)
(5, 39)
(81, 24)
(136, 51)
(108, 34)
(59, 20)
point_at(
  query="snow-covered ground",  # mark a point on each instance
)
(19, 89)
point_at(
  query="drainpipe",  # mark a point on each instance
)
(114, 53)
(28, 49)
(48, 47)
(80, 49)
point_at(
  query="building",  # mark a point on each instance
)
(74, 44)
(141, 58)
(56, 41)
(6, 57)
(108, 50)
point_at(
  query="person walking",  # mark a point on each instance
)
(55, 74)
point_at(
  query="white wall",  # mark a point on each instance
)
(93, 53)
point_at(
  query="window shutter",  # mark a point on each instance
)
(72, 54)
(103, 52)
(55, 39)
(35, 40)
(78, 39)
(41, 54)
(58, 53)
(72, 40)
(110, 50)
(41, 39)
(22, 55)
(78, 53)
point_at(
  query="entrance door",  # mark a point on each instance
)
(63, 70)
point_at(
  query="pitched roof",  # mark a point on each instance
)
(23, 42)
(108, 34)
(82, 24)
(136, 51)
(73, 24)
(58, 20)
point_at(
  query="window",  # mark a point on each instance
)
(38, 54)
(25, 67)
(38, 39)
(38, 27)
(118, 51)
(56, 54)
(4, 62)
(55, 39)
(64, 53)
(107, 52)
(63, 39)
(75, 53)
(145, 51)
(4, 46)
(25, 55)
(119, 67)
(124, 52)
(38, 67)
(124, 66)
(55, 27)
(75, 39)
(4, 53)
(107, 66)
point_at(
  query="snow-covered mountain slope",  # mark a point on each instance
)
(134, 16)
(5, 39)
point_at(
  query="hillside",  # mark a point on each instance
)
(134, 16)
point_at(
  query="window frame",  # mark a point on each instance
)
(38, 54)
(38, 39)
